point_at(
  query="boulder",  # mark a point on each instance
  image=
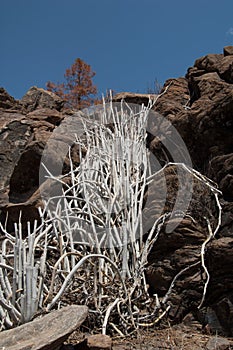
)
(23, 136)
(95, 342)
(220, 170)
(218, 343)
(225, 69)
(200, 106)
(228, 50)
(40, 98)
(7, 101)
(136, 98)
(222, 64)
(45, 333)
(209, 63)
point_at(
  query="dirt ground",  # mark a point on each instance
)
(178, 337)
(174, 338)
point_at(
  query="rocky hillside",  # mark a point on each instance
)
(200, 106)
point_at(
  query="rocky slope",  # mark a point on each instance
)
(26, 126)
(200, 106)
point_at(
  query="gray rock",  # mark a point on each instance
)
(45, 333)
(40, 98)
(22, 140)
(134, 97)
(218, 343)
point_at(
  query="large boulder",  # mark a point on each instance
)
(200, 106)
(40, 98)
(202, 112)
(23, 136)
(45, 333)
(228, 50)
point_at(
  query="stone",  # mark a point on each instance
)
(99, 342)
(220, 170)
(174, 101)
(228, 50)
(217, 63)
(40, 98)
(225, 69)
(95, 342)
(7, 101)
(209, 63)
(26, 133)
(218, 343)
(45, 333)
(200, 107)
(51, 116)
(134, 97)
(190, 321)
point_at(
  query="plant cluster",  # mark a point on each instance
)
(90, 247)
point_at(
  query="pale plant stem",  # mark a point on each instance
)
(102, 203)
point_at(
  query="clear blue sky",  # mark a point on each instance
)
(128, 43)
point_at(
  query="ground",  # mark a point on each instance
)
(178, 337)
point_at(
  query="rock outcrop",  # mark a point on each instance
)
(25, 126)
(37, 98)
(200, 106)
(7, 101)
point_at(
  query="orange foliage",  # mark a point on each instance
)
(78, 91)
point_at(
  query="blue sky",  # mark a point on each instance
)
(128, 43)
